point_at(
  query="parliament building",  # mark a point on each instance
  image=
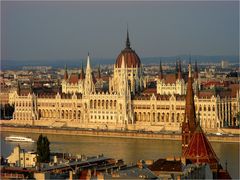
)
(127, 103)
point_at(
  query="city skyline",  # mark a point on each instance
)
(68, 30)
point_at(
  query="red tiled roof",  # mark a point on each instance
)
(170, 78)
(73, 78)
(234, 89)
(166, 165)
(130, 57)
(205, 94)
(150, 91)
(199, 149)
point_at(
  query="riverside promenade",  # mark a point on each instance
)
(111, 133)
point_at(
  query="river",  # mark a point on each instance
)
(130, 150)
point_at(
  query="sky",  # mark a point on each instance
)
(48, 30)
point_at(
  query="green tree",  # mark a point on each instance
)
(43, 149)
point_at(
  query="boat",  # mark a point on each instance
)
(19, 139)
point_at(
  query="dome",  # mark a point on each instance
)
(131, 58)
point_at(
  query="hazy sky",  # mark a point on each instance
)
(68, 30)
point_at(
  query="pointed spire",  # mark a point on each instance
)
(176, 67)
(195, 71)
(127, 41)
(190, 113)
(88, 61)
(65, 73)
(160, 70)
(179, 70)
(82, 75)
(99, 72)
(189, 71)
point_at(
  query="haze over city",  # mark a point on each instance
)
(69, 30)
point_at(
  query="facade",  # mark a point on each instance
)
(81, 103)
(20, 158)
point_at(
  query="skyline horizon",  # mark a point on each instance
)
(40, 31)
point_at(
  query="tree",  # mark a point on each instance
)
(43, 149)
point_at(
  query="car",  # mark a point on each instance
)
(219, 134)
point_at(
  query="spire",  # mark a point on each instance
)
(189, 71)
(189, 123)
(190, 114)
(176, 71)
(88, 62)
(99, 72)
(195, 71)
(66, 73)
(127, 41)
(88, 82)
(179, 70)
(160, 70)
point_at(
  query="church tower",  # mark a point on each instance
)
(189, 123)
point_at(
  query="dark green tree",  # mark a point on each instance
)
(43, 149)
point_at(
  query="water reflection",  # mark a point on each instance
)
(130, 150)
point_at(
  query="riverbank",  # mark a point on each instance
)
(117, 134)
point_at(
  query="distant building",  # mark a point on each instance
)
(126, 104)
(224, 64)
(20, 158)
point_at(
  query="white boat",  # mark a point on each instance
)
(18, 139)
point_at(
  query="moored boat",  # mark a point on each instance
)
(19, 139)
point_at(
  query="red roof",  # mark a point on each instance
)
(130, 57)
(199, 149)
(73, 78)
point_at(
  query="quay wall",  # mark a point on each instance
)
(41, 130)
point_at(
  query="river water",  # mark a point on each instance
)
(130, 150)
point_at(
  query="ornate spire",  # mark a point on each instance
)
(66, 73)
(195, 71)
(127, 41)
(160, 70)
